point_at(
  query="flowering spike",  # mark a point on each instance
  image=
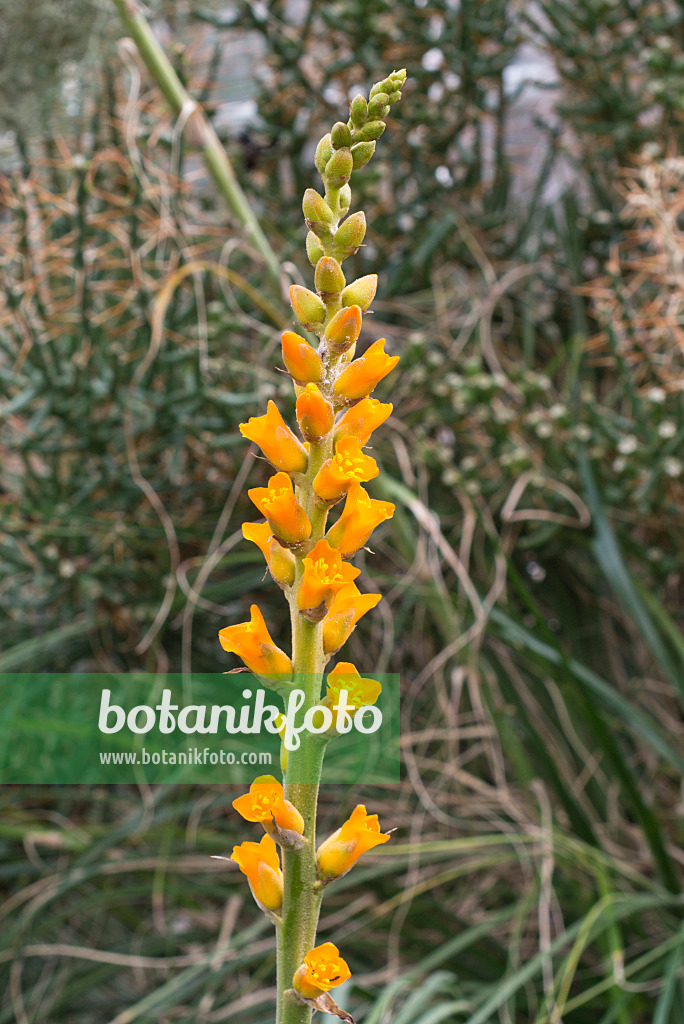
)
(361, 376)
(252, 642)
(280, 561)
(359, 518)
(315, 413)
(347, 607)
(339, 853)
(349, 464)
(276, 440)
(261, 864)
(266, 803)
(323, 969)
(286, 517)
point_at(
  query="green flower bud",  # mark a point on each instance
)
(384, 86)
(329, 278)
(361, 153)
(394, 97)
(317, 213)
(349, 236)
(358, 110)
(339, 167)
(340, 136)
(370, 131)
(377, 104)
(345, 197)
(360, 292)
(324, 151)
(314, 249)
(308, 308)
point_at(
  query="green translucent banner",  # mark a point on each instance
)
(99, 729)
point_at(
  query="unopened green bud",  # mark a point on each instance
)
(329, 278)
(371, 131)
(361, 153)
(394, 97)
(360, 292)
(307, 306)
(378, 104)
(340, 136)
(349, 236)
(324, 151)
(317, 213)
(398, 78)
(339, 167)
(358, 110)
(384, 86)
(314, 249)
(345, 198)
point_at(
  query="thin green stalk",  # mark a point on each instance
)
(182, 104)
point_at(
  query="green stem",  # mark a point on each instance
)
(181, 102)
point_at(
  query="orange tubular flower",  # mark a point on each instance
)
(285, 515)
(349, 464)
(324, 574)
(358, 520)
(361, 832)
(252, 642)
(348, 605)
(266, 803)
(276, 440)
(315, 413)
(360, 692)
(362, 419)
(261, 863)
(280, 561)
(361, 376)
(323, 969)
(302, 361)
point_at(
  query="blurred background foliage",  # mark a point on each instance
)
(525, 216)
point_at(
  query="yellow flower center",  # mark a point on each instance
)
(274, 494)
(354, 688)
(262, 805)
(349, 467)
(323, 973)
(326, 574)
